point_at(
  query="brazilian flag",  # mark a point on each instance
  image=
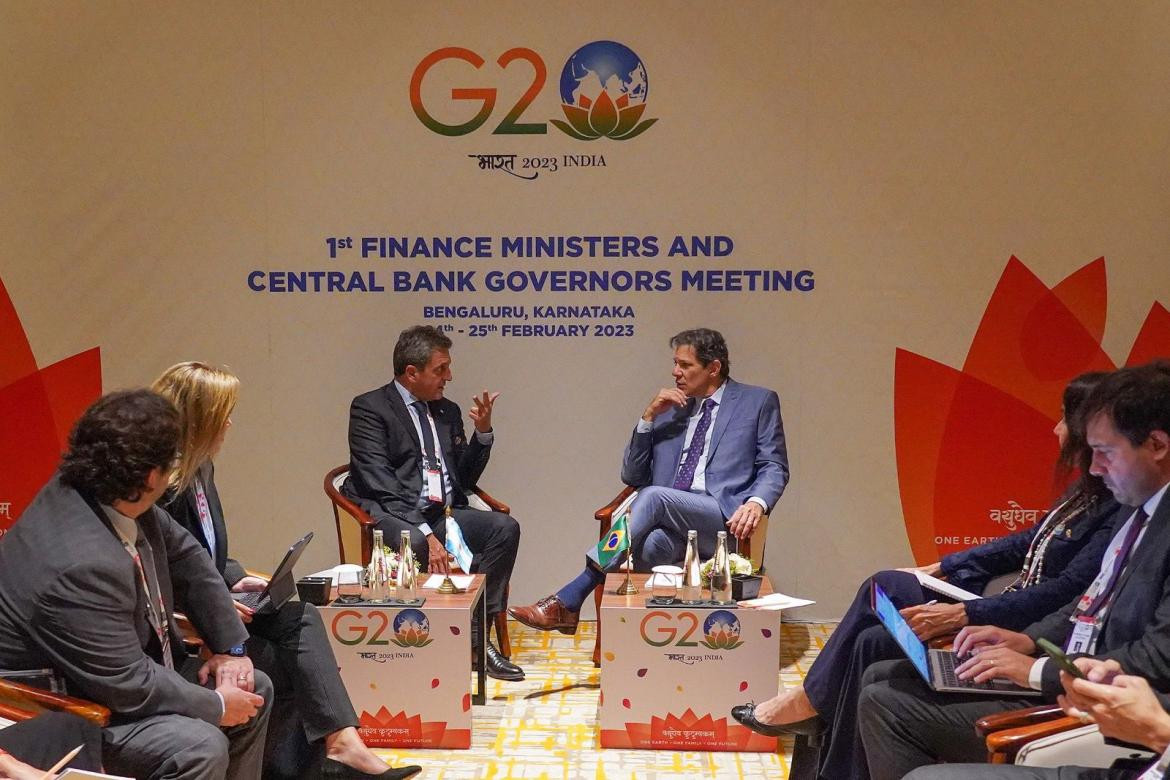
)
(616, 542)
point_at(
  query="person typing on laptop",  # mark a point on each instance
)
(1124, 615)
(313, 719)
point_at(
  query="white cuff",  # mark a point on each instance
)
(643, 426)
(759, 501)
(222, 704)
(1036, 674)
(485, 438)
(426, 529)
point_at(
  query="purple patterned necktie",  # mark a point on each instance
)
(686, 472)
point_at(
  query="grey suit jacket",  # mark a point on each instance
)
(70, 599)
(1137, 626)
(747, 457)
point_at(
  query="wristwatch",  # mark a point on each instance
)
(237, 651)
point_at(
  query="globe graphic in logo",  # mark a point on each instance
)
(721, 629)
(411, 628)
(603, 93)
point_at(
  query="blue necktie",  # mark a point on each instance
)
(686, 472)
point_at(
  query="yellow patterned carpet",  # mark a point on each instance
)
(546, 725)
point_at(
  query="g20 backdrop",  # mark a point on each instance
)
(914, 220)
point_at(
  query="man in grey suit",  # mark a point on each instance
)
(88, 579)
(707, 454)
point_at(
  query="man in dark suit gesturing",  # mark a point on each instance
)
(88, 579)
(707, 454)
(409, 461)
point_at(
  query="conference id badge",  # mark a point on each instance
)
(434, 485)
(1084, 635)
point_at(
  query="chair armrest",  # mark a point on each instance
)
(1002, 746)
(605, 514)
(260, 574)
(493, 504)
(1013, 719)
(25, 701)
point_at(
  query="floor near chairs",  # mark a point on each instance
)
(546, 725)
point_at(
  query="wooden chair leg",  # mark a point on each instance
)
(502, 635)
(502, 639)
(598, 592)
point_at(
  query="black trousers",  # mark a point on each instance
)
(310, 701)
(492, 537)
(905, 724)
(833, 683)
(43, 740)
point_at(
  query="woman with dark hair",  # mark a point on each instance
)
(1054, 561)
(313, 722)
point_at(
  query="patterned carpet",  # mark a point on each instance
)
(546, 725)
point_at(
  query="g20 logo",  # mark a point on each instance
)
(410, 628)
(603, 89)
(721, 629)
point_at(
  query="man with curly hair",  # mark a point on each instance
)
(88, 579)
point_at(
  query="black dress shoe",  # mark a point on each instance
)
(809, 727)
(335, 770)
(498, 666)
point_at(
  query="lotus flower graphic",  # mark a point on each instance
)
(386, 729)
(38, 406)
(687, 730)
(603, 93)
(721, 629)
(412, 629)
(975, 441)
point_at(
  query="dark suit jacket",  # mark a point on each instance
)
(1071, 562)
(1137, 626)
(182, 507)
(747, 455)
(70, 599)
(385, 475)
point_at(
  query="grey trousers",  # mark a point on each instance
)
(176, 747)
(904, 724)
(659, 520)
(989, 772)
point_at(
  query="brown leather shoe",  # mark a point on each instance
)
(548, 614)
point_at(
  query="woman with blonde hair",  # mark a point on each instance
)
(312, 713)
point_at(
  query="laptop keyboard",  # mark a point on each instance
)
(947, 676)
(254, 600)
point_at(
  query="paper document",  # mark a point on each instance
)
(81, 774)
(462, 581)
(944, 587)
(776, 601)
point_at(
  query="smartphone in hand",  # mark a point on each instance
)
(1056, 654)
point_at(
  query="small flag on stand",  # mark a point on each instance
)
(616, 542)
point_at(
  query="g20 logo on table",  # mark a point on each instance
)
(603, 90)
(410, 628)
(660, 628)
(721, 630)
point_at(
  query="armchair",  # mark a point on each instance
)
(1045, 736)
(22, 702)
(604, 516)
(355, 533)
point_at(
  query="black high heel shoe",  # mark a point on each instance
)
(335, 770)
(809, 727)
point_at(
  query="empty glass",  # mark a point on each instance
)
(664, 583)
(349, 582)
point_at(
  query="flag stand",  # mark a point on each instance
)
(628, 588)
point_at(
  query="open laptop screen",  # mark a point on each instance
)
(888, 614)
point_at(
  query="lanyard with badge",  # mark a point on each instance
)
(156, 614)
(1089, 615)
(432, 465)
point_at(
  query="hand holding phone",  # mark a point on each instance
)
(1062, 660)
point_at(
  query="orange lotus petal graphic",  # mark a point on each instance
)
(384, 729)
(975, 449)
(37, 409)
(688, 731)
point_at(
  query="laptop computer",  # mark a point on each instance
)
(281, 587)
(937, 667)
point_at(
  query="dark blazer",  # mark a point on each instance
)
(70, 599)
(182, 507)
(1071, 562)
(747, 457)
(385, 474)
(1137, 626)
